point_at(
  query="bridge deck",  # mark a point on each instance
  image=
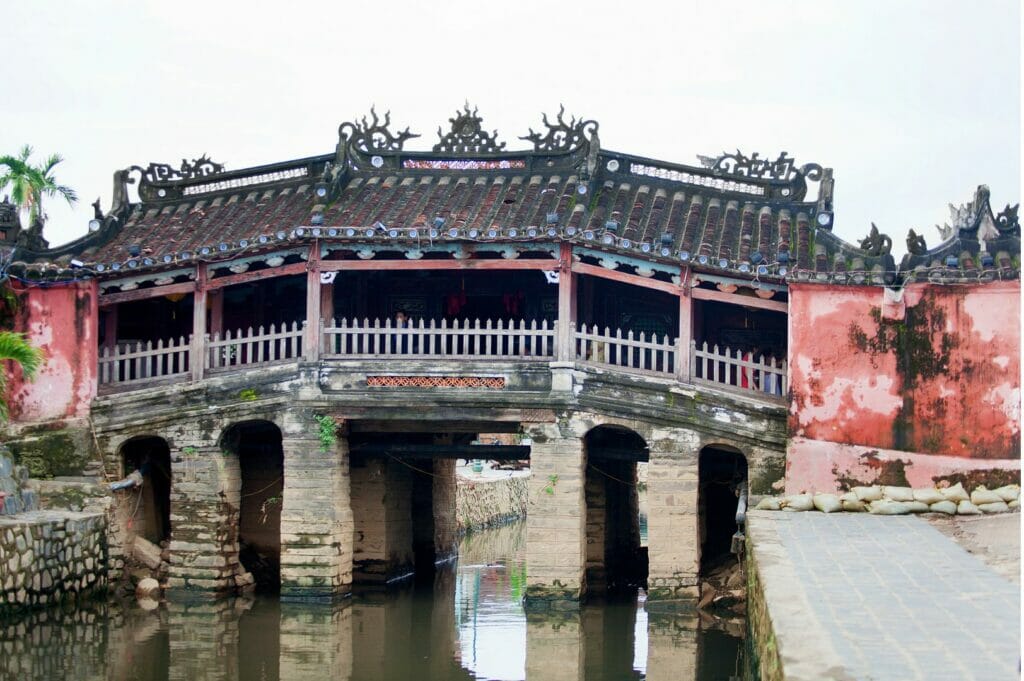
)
(855, 596)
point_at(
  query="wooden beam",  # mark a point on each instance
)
(566, 305)
(490, 452)
(247, 277)
(405, 265)
(626, 278)
(196, 360)
(685, 336)
(313, 337)
(108, 299)
(736, 299)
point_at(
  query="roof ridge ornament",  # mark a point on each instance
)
(783, 168)
(562, 135)
(876, 244)
(374, 136)
(467, 135)
(164, 172)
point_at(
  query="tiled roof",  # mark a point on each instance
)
(742, 215)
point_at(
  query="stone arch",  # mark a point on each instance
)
(722, 476)
(616, 558)
(147, 506)
(254, 447)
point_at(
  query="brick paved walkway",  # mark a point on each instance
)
(856, 596)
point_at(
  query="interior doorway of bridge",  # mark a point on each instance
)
(738, 327)
(435, 295)
(618, 306)
(257, 444)
(150, 504)
(616, 560)
(403, 493)
(722, 472)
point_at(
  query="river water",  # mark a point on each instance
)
(465, 623)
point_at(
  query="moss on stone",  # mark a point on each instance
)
(46, 455)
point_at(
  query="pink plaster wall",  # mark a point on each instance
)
(63, 321)
(818, 466)
(851, 381)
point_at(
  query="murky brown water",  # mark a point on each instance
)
(468, 623)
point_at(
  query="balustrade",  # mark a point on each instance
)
(468, 339)
(133, 364)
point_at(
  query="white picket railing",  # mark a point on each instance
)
(139, 362)
(253, 347)
(629, 352)
(737, 369)
(456, 340)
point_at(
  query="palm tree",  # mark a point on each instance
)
(16, 348)
(30, 183)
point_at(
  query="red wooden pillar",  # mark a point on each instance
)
(198, 350)
(215, 302)
(685, 330)
(566, 306)
(110, 326)
(312, 340)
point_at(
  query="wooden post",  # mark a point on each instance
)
(215, 301)
(110, 327)
(566, 304)
(313, 304)
(198, 349)
(685, 331)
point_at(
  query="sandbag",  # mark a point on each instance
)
(916, 506)
(827, 503)
(956, 493)
(768, 504)
(1008, 492)
(888, 507)
(928, 495)
(994, 507)
(898, 493)
(873, 493)
(854, 506)
(1014, 504)
(967, 508)
(797, 502)
(948, 507)
(849, 496)
(983, 495)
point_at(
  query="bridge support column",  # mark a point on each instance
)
(382, 507)
(671, 647)
(556, 537)
(555, 647)
(672, 519)
(205, 494)
(446, 541)
(316, 515)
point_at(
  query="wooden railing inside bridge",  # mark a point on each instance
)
(133, 365)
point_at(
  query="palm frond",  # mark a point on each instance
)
(15, 347)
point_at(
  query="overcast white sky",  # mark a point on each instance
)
(914, 103)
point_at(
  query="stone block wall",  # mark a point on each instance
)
(49, 556)
(673, 535)
(556, 518)
(485, 503)
(317, 523)
(382, 510)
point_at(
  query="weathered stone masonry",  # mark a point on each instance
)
(47, 557)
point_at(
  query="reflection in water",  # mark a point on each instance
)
(467, 624)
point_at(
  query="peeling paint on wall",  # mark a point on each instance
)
(940, 378)
(62, 320)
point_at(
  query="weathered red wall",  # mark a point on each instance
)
(63, 321)
(937, 372)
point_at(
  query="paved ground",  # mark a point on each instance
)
(995, 539)
(856, 596)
